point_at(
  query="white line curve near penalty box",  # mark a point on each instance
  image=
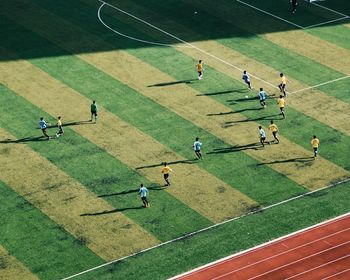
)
(319, 85)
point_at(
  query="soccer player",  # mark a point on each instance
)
(315, 143)
(274, 129)
(60, 127)
(93, 109)
(294, 4)
(262, 97)
(166, 172)
(200, 69)
(246, 79)
(43, 126)
(262, 137)
(143, 194)
(197, 148)
(283, 84)
(281, 104)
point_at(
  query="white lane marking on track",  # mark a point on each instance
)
(334, 275)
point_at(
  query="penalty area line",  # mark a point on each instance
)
(322, 84)
(208, 228)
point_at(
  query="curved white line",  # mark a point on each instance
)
(130, 37)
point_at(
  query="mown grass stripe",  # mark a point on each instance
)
(40, 244)
(66, 201)
(282, 165)
(98, 85)
(103, 174)
(11, 268)
(230, 238)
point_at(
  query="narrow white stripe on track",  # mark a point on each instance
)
(334, 275)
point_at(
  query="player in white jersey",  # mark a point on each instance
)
(197, 148)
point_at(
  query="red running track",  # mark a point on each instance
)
(319, 252)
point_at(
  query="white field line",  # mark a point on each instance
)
(185, 42)
(322, 84)
(207, 228)
(334, 275)
(317, 267)
(282, 253)
(302, 259)
(272, 15)
(264, 245)
(326, 8)
(326, 22)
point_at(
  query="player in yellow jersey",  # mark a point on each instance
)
(200, 69)
(166, 172)
(281, 104)
(283, 84)
(315, 143)
(60, 127)
(274, 129)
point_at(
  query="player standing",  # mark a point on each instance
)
(43, 126)
(294, 4)
(143, 194)
(60, 127)
(274, 129)
(93, 109)
(200, 69)
(246, 79)
(262, 97)
(315, 143)
(197, 148)
(262, 137)
(281, 104)
(283, 84)
(166, 172)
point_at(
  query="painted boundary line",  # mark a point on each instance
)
(210, 227)
(297, 25)
(319, 85)
(264, 245)
(341, 272)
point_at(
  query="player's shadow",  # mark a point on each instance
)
(186, 161)
(236, 148)
(23, 140)
(173, 83)
(72, 123)
(300, 159)
(235, 101)
(154, 188)
(222, 92)
(111, 211)
(270, 117)
(233, 112)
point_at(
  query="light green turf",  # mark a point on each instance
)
(43, 246)
(97, 85)
(101, 173)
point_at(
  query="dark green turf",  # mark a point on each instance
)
(101, 173)
(229, 238)
(338, 35)
(175, 132)
(43, 246)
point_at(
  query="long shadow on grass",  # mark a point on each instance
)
(155, 188)
(300, 159)
(111, 211)
(72, 123)
(271, 117)
(222, 92)
(23, 140)
(236, 148)
(173, 83)
(186, 161)
(234, 112)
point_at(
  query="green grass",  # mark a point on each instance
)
(38, 242)
(229, 238)
(101, 173)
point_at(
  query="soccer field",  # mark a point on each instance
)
(71, 204)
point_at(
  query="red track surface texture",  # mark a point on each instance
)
(319, 252)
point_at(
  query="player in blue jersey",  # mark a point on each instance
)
(143, 194)
(262, 137)
(262, 97)
(246, 79)
(197, 148)
(43, 125)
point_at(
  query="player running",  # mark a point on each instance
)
(274, 129)
(197, 148)
(281, 104)
(200, 69)
(166, 172)
(143, 194)
(315, 143)
(262, 137)
(262, 97)
(43, 125)
(60, 127)
(294, 4)
(93, 109)
(246, 79)
(283, 84)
